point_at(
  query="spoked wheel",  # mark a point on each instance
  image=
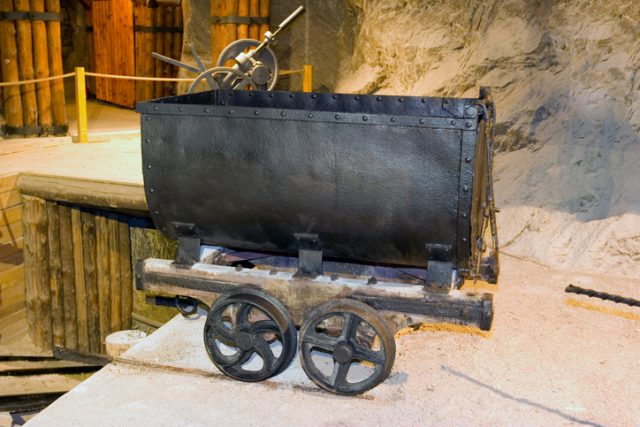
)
(346, 347)
(250, 335)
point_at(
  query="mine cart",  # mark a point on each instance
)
(346, 216)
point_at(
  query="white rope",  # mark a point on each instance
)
(43, 79)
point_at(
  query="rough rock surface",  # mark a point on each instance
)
(565, 76)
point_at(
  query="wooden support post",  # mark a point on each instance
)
(104, 277)
(265, 6)
(9, 52)
(116, 285)
(25, 64)
(55, 275)
(41, 62)
(222, 33)
(68, 278)
(159, 48)
(177, 44)
(243, 10)
(126, 278)
(36, 262)
(90, 280)
(144, 47)
(81, 291)
(254, 11)
(168, 50)
(307, 78)
(55, 67)
(81, 106)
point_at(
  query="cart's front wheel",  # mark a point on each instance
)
(250, 335)
(346, 347)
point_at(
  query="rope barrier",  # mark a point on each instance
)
(117, 76)
(147, 79)
(43, 79)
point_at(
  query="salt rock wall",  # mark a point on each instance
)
(565, 77)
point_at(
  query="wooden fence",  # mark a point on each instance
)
(30, 48)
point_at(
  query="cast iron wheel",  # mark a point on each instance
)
(341, 342)
(249, 335)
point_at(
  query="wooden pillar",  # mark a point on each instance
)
(254, 12)
(25, 65)
(159, 48)
(243, 11)
(55, 275)
(264, 13)
(41, 62)
(104, 277)
(126, 278)
(144, 47)
(91, 66)
(55, 67)
(36, 263)
(168, 50)
(9, 52)
(222, 33)
(90, 280)
(68, 278)
(115, 274)
(81, 290)
(177, 43)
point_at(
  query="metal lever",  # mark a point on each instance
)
(291, 17)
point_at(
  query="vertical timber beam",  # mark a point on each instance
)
(9, 52)
(55, 275)
(55, 67)
(41, 62)
(36, 261)
(25, 64)
(68, 278)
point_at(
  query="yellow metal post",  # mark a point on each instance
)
(307, 78)
(81, 105)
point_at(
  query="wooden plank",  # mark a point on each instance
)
(55, 65)
(254, 29)
(41, 63)
(8, 183)
(87, 192)
(243, 10)
(11, 216)
(36, 262)
(177, 43)
(25, 64)
(265, 6)
(11, 233)
(144, 61)
(12, 277)
(11, 260)
(55, 274)
(90, 280)
(80, 288)
(114, 48)
(158, 43)
(17, 316)
(104, 277)
(8, 250)
(126, 276)
(67, 268)
(222, 34)
(10, 199)
(10, 73)
(90, 81)
(114, 273)
(168, 51)
(16, 303)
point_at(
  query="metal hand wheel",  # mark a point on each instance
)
(346, 347)
(266, 57)
(249, 335)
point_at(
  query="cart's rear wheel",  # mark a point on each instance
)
(249, 335)
(346, 347)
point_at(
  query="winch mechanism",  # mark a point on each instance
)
(254, 63)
